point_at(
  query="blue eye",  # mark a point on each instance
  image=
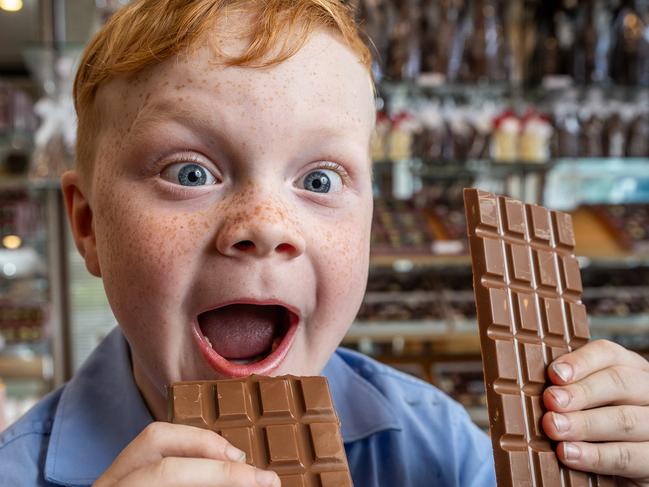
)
(188, 174)
(322, 180)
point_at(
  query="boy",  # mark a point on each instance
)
(223, 194)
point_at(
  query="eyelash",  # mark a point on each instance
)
(192, 158)
(334, 166)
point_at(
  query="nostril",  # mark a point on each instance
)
(284, 248)
(244, 245)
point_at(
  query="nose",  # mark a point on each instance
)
(260, 232)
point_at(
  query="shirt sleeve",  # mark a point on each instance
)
(475, 461)
(20, 460)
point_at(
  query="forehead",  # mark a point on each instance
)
(323, 82)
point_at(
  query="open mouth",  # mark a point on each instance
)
(245, 338)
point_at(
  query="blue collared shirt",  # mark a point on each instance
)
(398, 431)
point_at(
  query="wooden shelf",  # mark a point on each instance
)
(25, 367)
(467, 331)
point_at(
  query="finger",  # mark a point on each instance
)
(200, 472)
(592, 357)
(159, 440)
(627, 460)
(617, 423)
(615, 385)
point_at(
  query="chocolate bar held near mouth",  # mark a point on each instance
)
(286, 424)
(528, 297)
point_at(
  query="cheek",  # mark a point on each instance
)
(344, 261)
(145, 254)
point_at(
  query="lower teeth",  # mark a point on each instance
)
(246, 361)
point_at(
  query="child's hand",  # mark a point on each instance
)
(166, 454)
(600, 406)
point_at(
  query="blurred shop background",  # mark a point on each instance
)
(547, 101)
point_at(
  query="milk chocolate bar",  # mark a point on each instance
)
(286, 424)
(528, 297)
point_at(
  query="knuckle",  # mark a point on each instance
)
(154, 433)
(622, 459)
(226, 468)
(597, 349)
(165, 469)
(626, 419)
(582, 391)
(586, 425)
(619, 378)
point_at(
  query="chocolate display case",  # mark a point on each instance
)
(33, 308)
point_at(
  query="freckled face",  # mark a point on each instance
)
(214, 184)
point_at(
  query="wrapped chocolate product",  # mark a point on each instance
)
(482, 121)
(429, 140)
(475, 57)
(638, 136)
(592, 118)
(404, 126)
(629, 53)
(403, 49)
(398, 227)
(373, 18)
(545, 57)
(583, 61)
(568, 129)
(504, 141)
(463, 134)
(458, 45)
(534, 142)
(430, 24)
(487, 55)
(449, 14)
(615, 133)
(379, 146)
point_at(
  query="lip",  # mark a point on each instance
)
(225, 368)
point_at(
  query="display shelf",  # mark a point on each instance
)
(26, 366)
(38, 271)
(477, 168)
(14, 182)
(431, 87)
(587, 169)
(479, 415)
(445, 330)
(397, 262)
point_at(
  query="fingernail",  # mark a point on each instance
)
(266, 478)
(561, 423)
(235, 454)
(563, 370)
(571, 451)
(561, 397)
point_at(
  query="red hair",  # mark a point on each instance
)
(147, 32)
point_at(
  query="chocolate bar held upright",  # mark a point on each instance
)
(528, 297)
(286, 424)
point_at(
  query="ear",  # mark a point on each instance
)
(80, 218)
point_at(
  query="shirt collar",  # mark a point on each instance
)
(101, 411)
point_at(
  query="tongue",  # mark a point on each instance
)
(240, 331)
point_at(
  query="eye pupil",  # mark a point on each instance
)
(192, 175)
(317, 181)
